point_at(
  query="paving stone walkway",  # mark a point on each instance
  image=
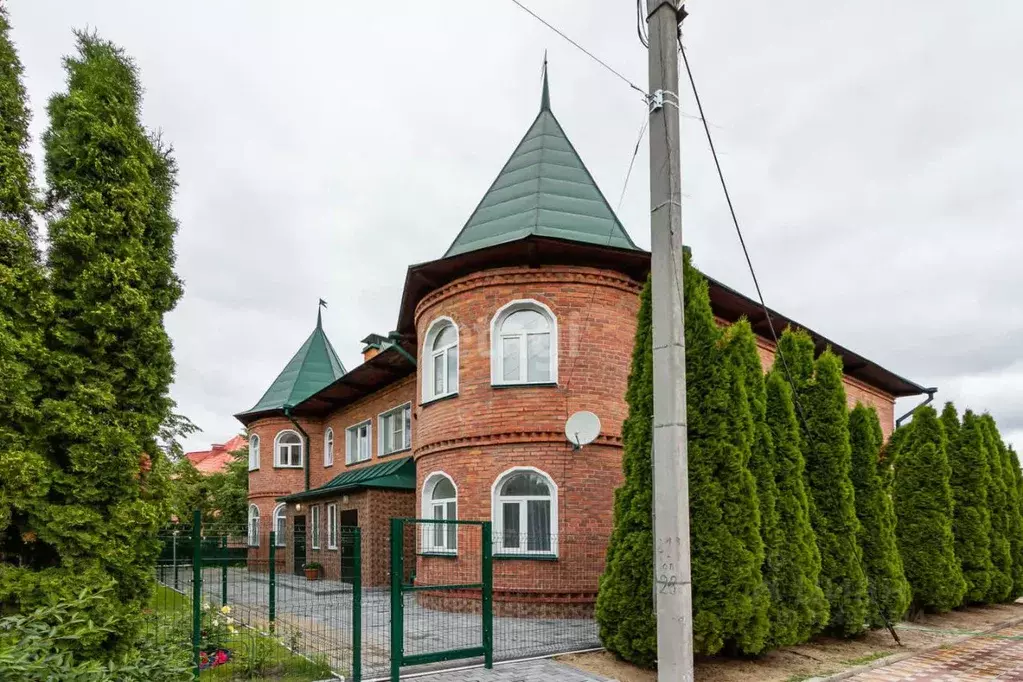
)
(998, 656)
(530, 671)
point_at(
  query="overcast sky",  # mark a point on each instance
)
(874, 151)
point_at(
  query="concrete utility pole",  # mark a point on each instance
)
(672, 574)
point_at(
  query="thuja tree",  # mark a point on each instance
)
(887, 583)
(23, 310)
(828, 472)
(998, 500)
(730, 600)
(1011, 509)
(923, 505)
(971, 518)
(624, 611)
(798, 607)
(111, 266)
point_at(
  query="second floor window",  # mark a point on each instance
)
(396, 430)
(328, 447)
(525, 345)
(288, 450)
(253, 452)
(441, 360)
(357, 449)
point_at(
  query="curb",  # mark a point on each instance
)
(896, 658)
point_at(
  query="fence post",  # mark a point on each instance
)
(488, 596)
(273, 579)
(196, 589)
(397, 601)
(223, 570)
(357, 605)
(174, 554)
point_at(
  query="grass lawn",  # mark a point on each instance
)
(256, 657)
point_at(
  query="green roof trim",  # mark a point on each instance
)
(315, 366)
(396, 474)
(544, 189)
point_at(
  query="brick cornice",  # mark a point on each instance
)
(269, 493)
(505, 438)
(520, 275)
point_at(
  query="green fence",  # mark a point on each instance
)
(247, 609)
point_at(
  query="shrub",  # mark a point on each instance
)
(971, 518)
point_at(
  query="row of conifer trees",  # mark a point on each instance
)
(802, 520)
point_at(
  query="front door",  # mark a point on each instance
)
(299, 544)
(349, 518)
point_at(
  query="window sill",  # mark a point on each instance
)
(438, 399)
(504, 556)
(442, 555)
(396, 452)
(288, 466)
(529, 384)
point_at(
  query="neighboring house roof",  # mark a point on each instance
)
(544, 189)
(314, 366)
(216, 459)
(395, 474)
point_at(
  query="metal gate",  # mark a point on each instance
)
(442, 586)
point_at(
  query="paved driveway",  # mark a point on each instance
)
(998, 656)
(531, 671)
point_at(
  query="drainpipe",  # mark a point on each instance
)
(305, 439)
(395, 338)
(930, 397)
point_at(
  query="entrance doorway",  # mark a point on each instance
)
(299, 544)
(348, 518)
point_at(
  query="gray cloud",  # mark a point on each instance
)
(871, 149)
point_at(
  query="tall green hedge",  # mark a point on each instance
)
(109, 365)
(971, 518)
(828, 471)
(798, 607)
(998, 500)
(888, 587)
(624, 612)
(24, 308)
(923, 503)
(1009, 469)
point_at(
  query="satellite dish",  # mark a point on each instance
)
(582, 428)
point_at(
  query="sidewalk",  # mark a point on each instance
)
(530, 671)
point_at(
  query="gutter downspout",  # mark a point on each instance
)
(930, 397)
(305, 439)
(395, 337)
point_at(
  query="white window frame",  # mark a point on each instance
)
(277, 450)
(254, 452)
(280, 521)
(332, 526)
(435, 328)
(497, 357)
(314, 521)
(253, 526)
(352, 432)
(497, 514)
(405, 411)
(429, 544)
(328, 447)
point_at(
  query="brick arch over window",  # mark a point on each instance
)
(524, 344)
(524, 509)
(440, 359)
(440, 502)
(288, 450)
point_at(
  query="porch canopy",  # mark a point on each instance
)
(396, 474)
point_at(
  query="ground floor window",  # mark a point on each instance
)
(525, 509)
(253, 526)
(315, 534)
(280, 524)
(331, 526)
(440, 503)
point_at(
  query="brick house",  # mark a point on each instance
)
(460, 412)
(216, 459)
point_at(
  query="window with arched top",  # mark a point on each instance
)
(524, 344)
(280, 524)
(253, 452)
(288, 450)
(440, 503)
(253, 526)
(328, 447)
(440, 359)
(525, 512)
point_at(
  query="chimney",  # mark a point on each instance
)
(370, 352)
(374, 343)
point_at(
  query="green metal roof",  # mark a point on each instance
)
(544, 189)
(395, 474)
(313, 367)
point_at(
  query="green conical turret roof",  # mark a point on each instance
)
(544, 189)
(314, 366)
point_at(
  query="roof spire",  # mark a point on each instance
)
(545, 99)
(319, 314)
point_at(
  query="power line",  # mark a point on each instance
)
(628, 174)
(581, 48)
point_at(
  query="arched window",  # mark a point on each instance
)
(288, 450)
(328, 447)
(280, 524)
(440, 502)
(253, 526)
(253, 452)
(440, 358)
(524, 344)
(525, 512)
